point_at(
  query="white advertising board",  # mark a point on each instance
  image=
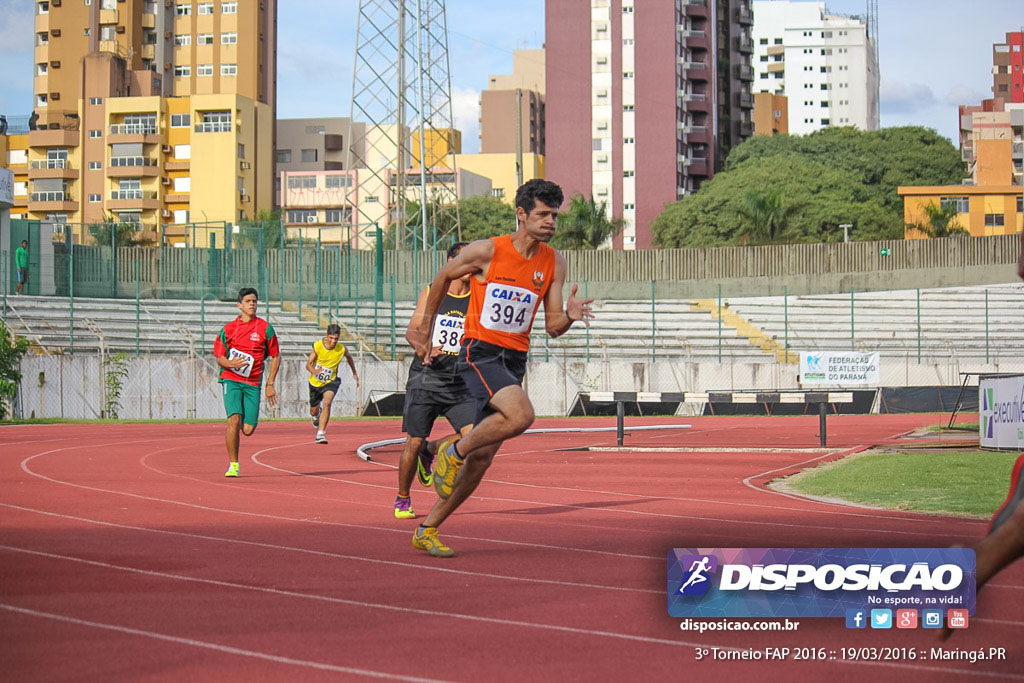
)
(1001, 412)
(839, 368)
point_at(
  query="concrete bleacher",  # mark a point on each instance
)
(620, 330)
(953, 321)
(163, 326)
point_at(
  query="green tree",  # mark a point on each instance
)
(585, 225)
(940, 221)
(484, 217)
(268, 222)
(828, 178)
(12, 348)
(123, 234)
(764, 217)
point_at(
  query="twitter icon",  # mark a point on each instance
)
(881, 618)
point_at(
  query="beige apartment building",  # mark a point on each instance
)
(149, 112)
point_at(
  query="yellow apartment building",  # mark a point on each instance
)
(500, 167)
(149, 112)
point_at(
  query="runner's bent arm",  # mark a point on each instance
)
(417, 318)
(352, 366)
(556, 321)
(475, 258)
(311, 363)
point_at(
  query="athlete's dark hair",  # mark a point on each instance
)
(246, 291)
(334, 328)
(456, 248)
(538, 188)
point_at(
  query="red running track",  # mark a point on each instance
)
(126, 555)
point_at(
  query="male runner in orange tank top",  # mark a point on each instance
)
(510, 276)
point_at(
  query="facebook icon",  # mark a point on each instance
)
(856, 618)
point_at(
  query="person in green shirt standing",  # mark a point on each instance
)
(21, 263)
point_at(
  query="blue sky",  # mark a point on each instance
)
(935, 54)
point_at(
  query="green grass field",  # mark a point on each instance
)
(968, 484)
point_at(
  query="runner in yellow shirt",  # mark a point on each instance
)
(322, 366)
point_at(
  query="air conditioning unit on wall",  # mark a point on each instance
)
(311, 219)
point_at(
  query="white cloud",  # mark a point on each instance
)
(466, 113)
(904, 98)
(965, 94)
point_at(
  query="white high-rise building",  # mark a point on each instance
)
(824, 63)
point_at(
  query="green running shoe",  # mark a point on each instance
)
(232, 470)
(403, 508)
(424, 462)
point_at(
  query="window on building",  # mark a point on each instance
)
(627, 74)
(338, 215)
(628, 174)
(994, 220)
(301, 182)
(181, 120)
(182, 10)
(42, 69)
(204, 8)
(183, 184)
(94, 198)
(337, 181)
(204, 39)
(1020, 204)
(183, 152)
(95, 165)
(308, 156)
(627, 107)
(629, 207)
(183, 39)
(228, 69)
(214, 122)
(628, 141)
(95, 133)
(778, 41)
(627, 41)
(95, 100)
(763, 41)
(764, 58)
(42, 38)
(41, 100)
(181, 216)
(182, 71)
(229, 8)
(43, 8)
(959, 204)
(284, 156)
(825, 122)
(302, 215)
(228, 38)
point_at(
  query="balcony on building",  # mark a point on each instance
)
(1017, 151)
(146, 133)
(746, 129)
(51, 168)
(55, 128)
(743, 72)
(176, 198)
(56, 200)
(133, 199)
(744, 44)
(694, 134)
(745, 100)
(132, 167)
(694, 39)
(744, 16)
(694, 71)
(692, 101)
(696, 8)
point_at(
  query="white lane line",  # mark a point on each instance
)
(227, 649)
(405, 564)
(359, 603)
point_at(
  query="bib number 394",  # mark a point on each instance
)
(508, 309)
(249, 360)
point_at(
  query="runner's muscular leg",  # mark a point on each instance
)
(514, 415)
(468, 479)
(407, 464)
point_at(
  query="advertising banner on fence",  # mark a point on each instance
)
(844, 368)
(1001, 412)
(817, 582)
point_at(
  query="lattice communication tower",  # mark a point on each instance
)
(401, 90)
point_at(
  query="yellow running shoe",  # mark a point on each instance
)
(446, 468)
(426, 538)
(232, 470)
(403, 508)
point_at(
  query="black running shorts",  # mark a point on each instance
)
(316, 394)
(487, 369)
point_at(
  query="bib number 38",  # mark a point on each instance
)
(508, 309)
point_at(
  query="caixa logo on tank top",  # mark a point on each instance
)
(508, 308)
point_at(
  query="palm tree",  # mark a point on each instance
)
(765, 217)
(942, 221)
(585, 225)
